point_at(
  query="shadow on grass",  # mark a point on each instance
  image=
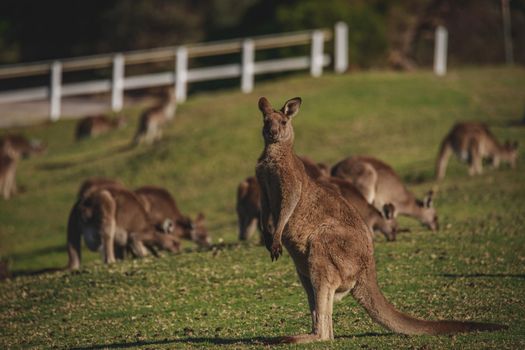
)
(61, 248)
(49, 270)
(214, 341)
(481, 275)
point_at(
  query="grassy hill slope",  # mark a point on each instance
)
(472, 269)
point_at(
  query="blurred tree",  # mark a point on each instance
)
(396, 31)
(143, 24)
(367, 37)
(9, 51)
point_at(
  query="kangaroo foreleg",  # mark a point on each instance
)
(288, 203)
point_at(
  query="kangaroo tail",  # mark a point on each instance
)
(367, 293)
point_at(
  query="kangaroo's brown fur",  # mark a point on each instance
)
(12, 148)
(473, 142)
(160, 204)
(248, 198)
(8, 165)
(383, 221)
(155, 118)
(326, 237)
(19, 146)
(112, 219)
(380, 185)
(93, 126)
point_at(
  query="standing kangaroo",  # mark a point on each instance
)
(97, 125)
(113, 220)
(153, 119)
(325, 236)
(473, 142)
(161, 205)
(380, 185)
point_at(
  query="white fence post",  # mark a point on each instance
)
(341, 47)
(440, 51)
(248, 58)
(181, 75)
(56, 90)
(117, 84)
(316, 56)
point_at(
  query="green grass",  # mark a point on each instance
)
(474, 268)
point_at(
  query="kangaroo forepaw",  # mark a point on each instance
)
(277, 250)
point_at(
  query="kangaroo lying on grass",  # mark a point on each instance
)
(161, 205)
(248, 198)
(113, 220)
(325, 236)
(380, 185)
(97, 125)
(12, 148)
(473, 142)
(155, 118)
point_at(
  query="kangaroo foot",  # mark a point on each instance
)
(277, 250)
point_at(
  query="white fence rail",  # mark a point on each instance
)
(182, 74)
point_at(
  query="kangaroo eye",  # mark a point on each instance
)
(283, 122)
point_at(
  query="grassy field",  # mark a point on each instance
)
(233, 296)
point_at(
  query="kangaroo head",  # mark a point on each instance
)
(277, 124)
(428, 215)
(510, 153)
(169, 243)
(389, 226)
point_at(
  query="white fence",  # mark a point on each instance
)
(182, 75)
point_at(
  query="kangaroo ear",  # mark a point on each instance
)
(168, 226)
(264, 106)
(291, 107)
(427, 201)
(200, 218)
(389, 211)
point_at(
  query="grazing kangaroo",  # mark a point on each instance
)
(248, 198)
(383, 221)
(93, 126)
(380, 185)
(326, 237)
(160, 205)
(113, 220)
(153, 119)
(473, 142)
(20, 146)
